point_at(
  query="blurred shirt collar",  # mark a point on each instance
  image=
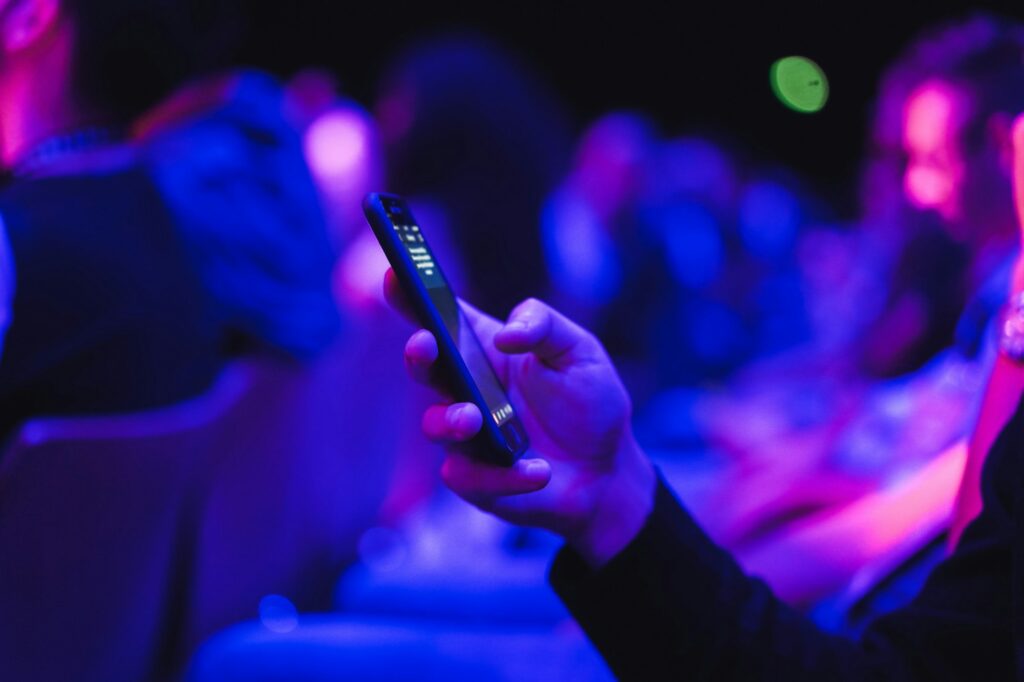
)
(60, 148)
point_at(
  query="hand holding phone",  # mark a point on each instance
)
(584, 477)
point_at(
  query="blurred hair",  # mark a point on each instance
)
(128, 54)
(982, 54)
(468, 124)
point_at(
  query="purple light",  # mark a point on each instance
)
(360, 271)
(579, 250)
(337, 144)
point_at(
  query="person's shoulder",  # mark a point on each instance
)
(65, 207)
(88, 178)
(241, 95)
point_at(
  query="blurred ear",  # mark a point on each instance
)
(999, 129)
(24, 22)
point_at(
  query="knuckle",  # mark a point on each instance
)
(530, 306)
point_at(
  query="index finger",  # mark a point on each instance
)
(482, 484)
(534, 327)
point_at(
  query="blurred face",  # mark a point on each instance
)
(610, 160)
(934, 117)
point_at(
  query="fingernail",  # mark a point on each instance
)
(534, 468)
(517, 326)
(455, 414)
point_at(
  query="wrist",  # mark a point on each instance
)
(623, 502)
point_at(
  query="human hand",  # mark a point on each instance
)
(584, 476)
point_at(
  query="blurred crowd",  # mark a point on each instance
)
(792, 368)
(807, 380)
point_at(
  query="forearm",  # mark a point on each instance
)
(671, 605)
(999, 400)
(1002, 393)
(672, 601)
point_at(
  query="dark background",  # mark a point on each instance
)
(692, 66)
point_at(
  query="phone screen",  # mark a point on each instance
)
(455, 321)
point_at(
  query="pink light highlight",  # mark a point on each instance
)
(337, 144)
(359, 273)
(927, 187)
(932, 118)
(855, 545)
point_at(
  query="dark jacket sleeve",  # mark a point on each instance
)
(672, 605)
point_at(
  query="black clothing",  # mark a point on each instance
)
(109, 313)
(672, 605)
(135, 285)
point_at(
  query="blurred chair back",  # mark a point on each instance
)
(94, 522)
(128, 540)
(305, 462)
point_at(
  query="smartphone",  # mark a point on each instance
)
(465, 367)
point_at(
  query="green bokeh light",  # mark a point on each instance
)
(800, 84)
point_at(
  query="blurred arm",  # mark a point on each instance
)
(1002, 393)
(1005, 384)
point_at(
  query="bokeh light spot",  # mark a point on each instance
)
(769, 219)
(382, 549)
(693, 244)
(278, 614)
(336, 143)
(800, 84)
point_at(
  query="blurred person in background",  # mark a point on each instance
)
(677, 252)
(477, 141)
(654, 594)
(939, 214)
(935, 126)
(943, 132)
(734, 292)
(151, 245)
(864, 410)
(699, 264)
(644, 581)
(821, 426)
(583, 235)
(942, 138)
(164, 224)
